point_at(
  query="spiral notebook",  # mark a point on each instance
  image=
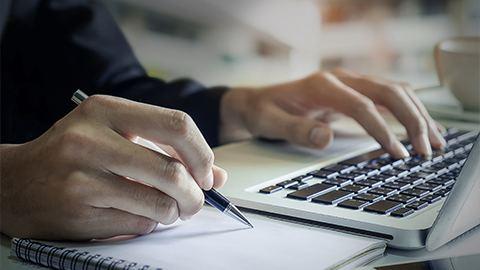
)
(210, 241)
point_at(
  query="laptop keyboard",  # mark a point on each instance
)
(375, 183)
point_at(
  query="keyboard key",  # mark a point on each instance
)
(406, 167)
(383, 177)
(429, 186)
(398, 162)
(402, 212)
(362, 160)
(369, 182)
(374, 166)
(468, 136)
(332, 197)
(442, 192)
(410, 180)
(353, 204)
(442, 171)
(367, 172)
(325, 174)
(311, 191)
(401, 198)
(396, 172)
(270, 189)
(431, 198)
(299, 186)
(382, 191)
(303, 178)
(355, 188)
(369, 197)
(338, 182)
(423, 175)
(419, 161)
(396, 185)
(287, 183)
(383, 207)
(341, 168)
(417, 205)
(441, 181)
(352, 176)
(449, 154)
(415, 192)
(429, 170)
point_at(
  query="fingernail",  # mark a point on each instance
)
(438, 142)
(400, 148)
(426, 143)
(320, 136)
(422, 145)
(208, 182)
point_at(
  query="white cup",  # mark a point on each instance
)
(458, 68)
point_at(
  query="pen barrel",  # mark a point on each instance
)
(216, 199)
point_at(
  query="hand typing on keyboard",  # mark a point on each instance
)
(300, 111)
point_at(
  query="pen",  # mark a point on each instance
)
(213, 197)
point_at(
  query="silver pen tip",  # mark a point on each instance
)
(236, 214)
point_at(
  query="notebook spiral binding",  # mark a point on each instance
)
(69, 259)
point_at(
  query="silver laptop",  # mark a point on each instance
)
(354, 186)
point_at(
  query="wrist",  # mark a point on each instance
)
(233, 113)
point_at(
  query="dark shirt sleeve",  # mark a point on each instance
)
(50, 48)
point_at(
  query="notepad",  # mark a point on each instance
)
(210, 240)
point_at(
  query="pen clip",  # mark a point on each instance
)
(79, 96)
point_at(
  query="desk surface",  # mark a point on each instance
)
(467, 244)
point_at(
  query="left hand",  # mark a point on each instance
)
(299, 111)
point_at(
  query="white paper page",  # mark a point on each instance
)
(211, 240)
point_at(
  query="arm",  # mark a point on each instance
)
(84, 178)
(299, 111)
(57, 47)
(79, 176)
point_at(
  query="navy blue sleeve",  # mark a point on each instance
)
(50, 48)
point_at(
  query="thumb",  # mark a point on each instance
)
(296, 129)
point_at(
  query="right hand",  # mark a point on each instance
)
(84, 178)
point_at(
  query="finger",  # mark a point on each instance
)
(159, 125)
(220, 176)
(164, 173)
(434, 128)
(134, 197)
(109, 222)
(275, 123)
(352, 103)
(394, 98)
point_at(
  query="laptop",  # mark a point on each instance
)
(354, 186)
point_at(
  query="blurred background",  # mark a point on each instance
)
(258, 42)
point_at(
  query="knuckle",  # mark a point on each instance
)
(145, 225)
(339, 71)
(174, 172)
(363, 104)
(93, 103)
(321, 76)
(419, 126)
(208, 158)
(179, 123)
(394, 91)
(75, 139)
(166, 209)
